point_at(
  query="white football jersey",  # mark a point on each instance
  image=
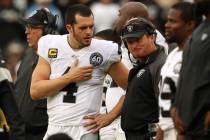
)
(168, 84)
(71, 104)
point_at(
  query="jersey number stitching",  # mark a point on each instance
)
(70, 89)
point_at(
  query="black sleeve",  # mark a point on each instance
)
(10, 110)
(155, 69)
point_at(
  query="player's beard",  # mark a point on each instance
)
(80, 41)
(170, 40)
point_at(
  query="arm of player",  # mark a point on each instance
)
(42, 86)
(120, 74)
(96, 122)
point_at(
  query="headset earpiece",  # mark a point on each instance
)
(125, 43)
(50, 27)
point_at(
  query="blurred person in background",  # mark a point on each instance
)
(191, 109)
(137, 9)
(34, 113)
(105, 14)
(155, 11)
(10, 28)
(181, 22)
(10, 114)
(13, 54)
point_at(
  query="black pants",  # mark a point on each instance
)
(187, 137)
(4, 136)
(35, 133)
(38, 136)
(137, 137)
(142, 134)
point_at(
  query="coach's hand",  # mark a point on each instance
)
(207, 120)
(160, 134)
(96, 122)
(178, 123)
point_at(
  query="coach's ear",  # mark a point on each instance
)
(69, 28)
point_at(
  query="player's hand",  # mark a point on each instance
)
(160, 134)
(178, 123)
(77, 73)
(207, 120)
(97, 122)
(91, 123)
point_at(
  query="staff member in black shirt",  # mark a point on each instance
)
(140, 109)
(191, 111)
(34, 113)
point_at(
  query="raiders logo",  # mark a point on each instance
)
(140, 73)
(96, 59)
(130, 28)
(52, 53)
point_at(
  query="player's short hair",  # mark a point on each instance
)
(187, 10)
(73, 10)
(202, 7)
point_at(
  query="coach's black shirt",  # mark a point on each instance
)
(141, 101)
(33, 112)
(193, 92)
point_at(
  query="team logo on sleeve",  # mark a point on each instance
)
(130, 28)
(140, 73)
(52, 53)
(96, 59)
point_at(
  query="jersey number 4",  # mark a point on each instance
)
(70, 89)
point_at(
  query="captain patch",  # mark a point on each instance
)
(52, 53)
(96, 59)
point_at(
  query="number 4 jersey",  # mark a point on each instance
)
(76, 100)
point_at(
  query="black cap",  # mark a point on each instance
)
(133, 31)
(39, 18)
(137, 27)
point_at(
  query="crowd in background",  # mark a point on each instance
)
(13, 41)
(12, 36)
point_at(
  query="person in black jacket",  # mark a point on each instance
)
(9, 106)
(33, 112)
(191, 110)
(140, 109)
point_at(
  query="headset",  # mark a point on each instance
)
(50, 26)
(149, 28)
(139, 22)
